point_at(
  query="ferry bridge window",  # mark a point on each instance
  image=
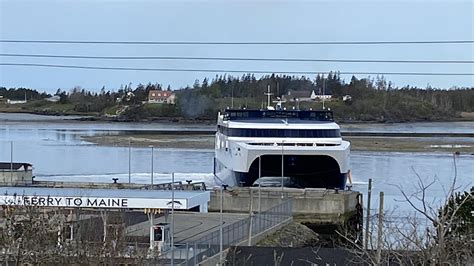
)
(278, 114)
(281, 133)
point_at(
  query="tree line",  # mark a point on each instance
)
(372, 99)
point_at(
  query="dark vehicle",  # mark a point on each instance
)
(275, 181)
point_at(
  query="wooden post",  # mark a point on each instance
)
(151, 219)
(367, 222)
(380, 228)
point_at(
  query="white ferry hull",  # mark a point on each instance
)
(308, 164)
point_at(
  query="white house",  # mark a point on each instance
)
(53, 99)
(16, 101)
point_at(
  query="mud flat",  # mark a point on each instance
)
(396, 144)
(359, 143)
(158, 141)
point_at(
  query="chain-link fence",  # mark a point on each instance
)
(233, 234)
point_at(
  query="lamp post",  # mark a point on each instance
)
(282, 167)
(152, 166)
(11, 163)
(259, 185)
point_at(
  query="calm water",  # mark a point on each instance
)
(57, 153)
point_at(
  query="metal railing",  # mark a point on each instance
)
(207, 246)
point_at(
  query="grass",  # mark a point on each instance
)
(112, 110)
(42, 107)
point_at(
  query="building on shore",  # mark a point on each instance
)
(9, 101)
(298, 95)
(16, 101)
(160, 96)
(53, 99)
(16, 173)
(304, 96)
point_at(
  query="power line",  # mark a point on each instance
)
(239, 59)
(240, 43)
(235, 71)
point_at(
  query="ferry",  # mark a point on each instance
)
(292, 148)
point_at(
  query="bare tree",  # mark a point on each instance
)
(29, 235)
(36, 235)
(433, 234)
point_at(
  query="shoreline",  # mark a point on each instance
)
(92, 118)
(374, 144)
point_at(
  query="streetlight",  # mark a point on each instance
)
(11, 163)
(151, 166)
(259, 184)
(282, 166)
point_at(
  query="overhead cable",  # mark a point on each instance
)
(238, 59)
(237, 43)
(235, 71)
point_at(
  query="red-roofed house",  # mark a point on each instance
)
(159, 96)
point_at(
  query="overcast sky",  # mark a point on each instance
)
(228, 21)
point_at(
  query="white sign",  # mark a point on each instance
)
(93, 202)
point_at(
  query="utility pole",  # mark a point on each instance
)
(367, 222)
(129, 160)
(379, 233)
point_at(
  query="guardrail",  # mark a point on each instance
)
(192, 253)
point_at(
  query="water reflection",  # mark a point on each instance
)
(394, 171)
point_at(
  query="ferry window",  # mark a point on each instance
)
(289, 133)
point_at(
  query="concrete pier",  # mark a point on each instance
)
(313, 205)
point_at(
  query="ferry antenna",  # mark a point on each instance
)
(269, 94)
